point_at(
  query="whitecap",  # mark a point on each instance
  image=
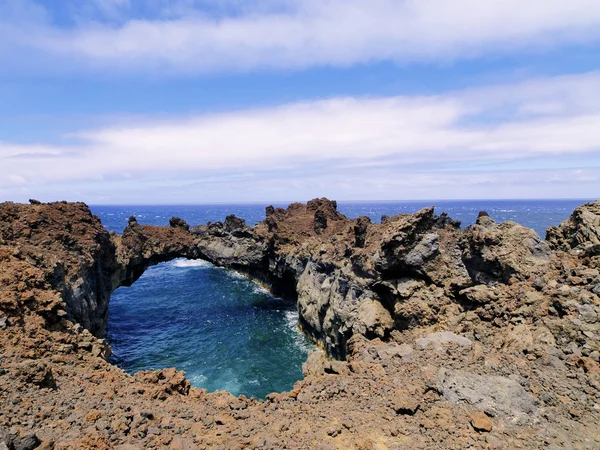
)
(187, 263)
(258, 289)
(197, 380)
(292, 317)
(234, 274)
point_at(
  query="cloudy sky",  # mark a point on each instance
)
(195, 101)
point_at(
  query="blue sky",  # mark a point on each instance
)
(194, 101)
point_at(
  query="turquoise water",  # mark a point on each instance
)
(225, 331)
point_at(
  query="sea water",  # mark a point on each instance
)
(536, 214)
(225, 331)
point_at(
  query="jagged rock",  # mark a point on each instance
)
(233, 223)
(376, 320)
(328, 304)
(167, 381)
(401, 236)
(484, 219)
(580, 231)
(444, 220)
(36, 372)
(498, 252)
(177, 222)
(27, 442)
(530, 314)
(6, 439)
(320, 222)
(425, 250)
(329, 207)
(360, 230)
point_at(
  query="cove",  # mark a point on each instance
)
(223, 330)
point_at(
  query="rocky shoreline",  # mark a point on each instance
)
(435, 336)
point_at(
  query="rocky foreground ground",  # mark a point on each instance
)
(433, 336)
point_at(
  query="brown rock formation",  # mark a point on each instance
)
(581, 231)
(486, 336)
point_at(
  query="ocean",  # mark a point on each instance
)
(536, 214)
(225, 331)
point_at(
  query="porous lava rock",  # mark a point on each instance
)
(431, 336)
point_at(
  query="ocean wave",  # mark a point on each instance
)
(197, 380)
(292, 317)
(258, 289)
(186, 263)
(234, 274)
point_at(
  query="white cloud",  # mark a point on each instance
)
(305, 33)
(351, 140)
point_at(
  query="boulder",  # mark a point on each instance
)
(580, 231)
(494, 395)
(361, 225)
(481, 422)
(498, 252)
(176, 222)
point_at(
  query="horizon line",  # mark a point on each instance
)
(272, 202)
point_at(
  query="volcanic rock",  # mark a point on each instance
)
(429, 333)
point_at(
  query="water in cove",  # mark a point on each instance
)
(225, 331)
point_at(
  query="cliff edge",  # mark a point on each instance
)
(433, 335)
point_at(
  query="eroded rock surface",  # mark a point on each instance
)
(581, 231)
(433, 336)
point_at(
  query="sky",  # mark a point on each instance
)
(199, 101)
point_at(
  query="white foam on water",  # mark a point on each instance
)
(292, 317)
(229, 382)
(186, 263)
(235, 274)
(197, 380)
(258, 289)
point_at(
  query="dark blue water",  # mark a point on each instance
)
(536, 214)
(225, 331)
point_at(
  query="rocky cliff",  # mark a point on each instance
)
(486, 336)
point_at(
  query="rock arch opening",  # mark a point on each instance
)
(224, 330)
